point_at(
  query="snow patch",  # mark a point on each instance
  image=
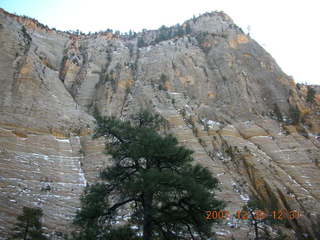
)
(224, 233)
(210, 123)
(244, 197)
(63, 140)
(262, 136)
(82, 178)
(45, 157)
(308, 183)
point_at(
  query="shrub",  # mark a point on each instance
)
(311, 94)
(278, 112)
(141, 42)
(295, 114)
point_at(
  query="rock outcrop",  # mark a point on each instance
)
(223, 95)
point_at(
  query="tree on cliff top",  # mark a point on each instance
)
(311, 94)
(152, 183)
(28, 226)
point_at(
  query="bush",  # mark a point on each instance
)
(277, 112)
(163, 79)
(295, 114)
(311, 94)
(141, 42)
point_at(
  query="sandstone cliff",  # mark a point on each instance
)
(219, 90)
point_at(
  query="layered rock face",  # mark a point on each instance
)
(220, 91)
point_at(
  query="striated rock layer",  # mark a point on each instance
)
(220, 91)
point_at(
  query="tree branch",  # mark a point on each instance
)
(117, 205)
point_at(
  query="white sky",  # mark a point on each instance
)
(288, 30)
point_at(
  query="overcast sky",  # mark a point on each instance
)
(288, 30)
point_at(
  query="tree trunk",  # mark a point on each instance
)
(256, 229)
(26, 231)
(147, 216)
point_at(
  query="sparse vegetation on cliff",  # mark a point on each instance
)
(278, 113)
(295, 114)
(311, 94)
(162, 81)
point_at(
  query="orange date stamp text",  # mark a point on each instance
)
(257, 214)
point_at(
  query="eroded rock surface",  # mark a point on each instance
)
(218, 89)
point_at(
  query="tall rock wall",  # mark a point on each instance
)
(217, 88)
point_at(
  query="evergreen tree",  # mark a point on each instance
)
(188, 28)
(311, 94)
(153, 179)
(140, 42)
(295, 114)
(28, 226)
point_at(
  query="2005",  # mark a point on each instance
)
(217, 214)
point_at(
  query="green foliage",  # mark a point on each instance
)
(141, 42)
(25, 34)
(311, 94)
(188, 28)
(110, 78)
(153, 177)
(127, 90)
(28, 225)
(281, 236)
(253, 207)
(256, 204)
(294, 113)
(122, 233)
(81, 151)
(161, 87)
(27, 39)
(229, 151)
(163, 79)
(194, 19)
(278, 113)
(166, 33)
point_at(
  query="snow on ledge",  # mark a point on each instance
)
(63, 140)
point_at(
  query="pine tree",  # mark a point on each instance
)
(188, 28)
(153, 179)
(311, 94)
(28, 226)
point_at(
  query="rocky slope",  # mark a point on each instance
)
(220, 91)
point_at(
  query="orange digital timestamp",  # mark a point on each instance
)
(285, 214)
(254, 215)
(217, 214)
